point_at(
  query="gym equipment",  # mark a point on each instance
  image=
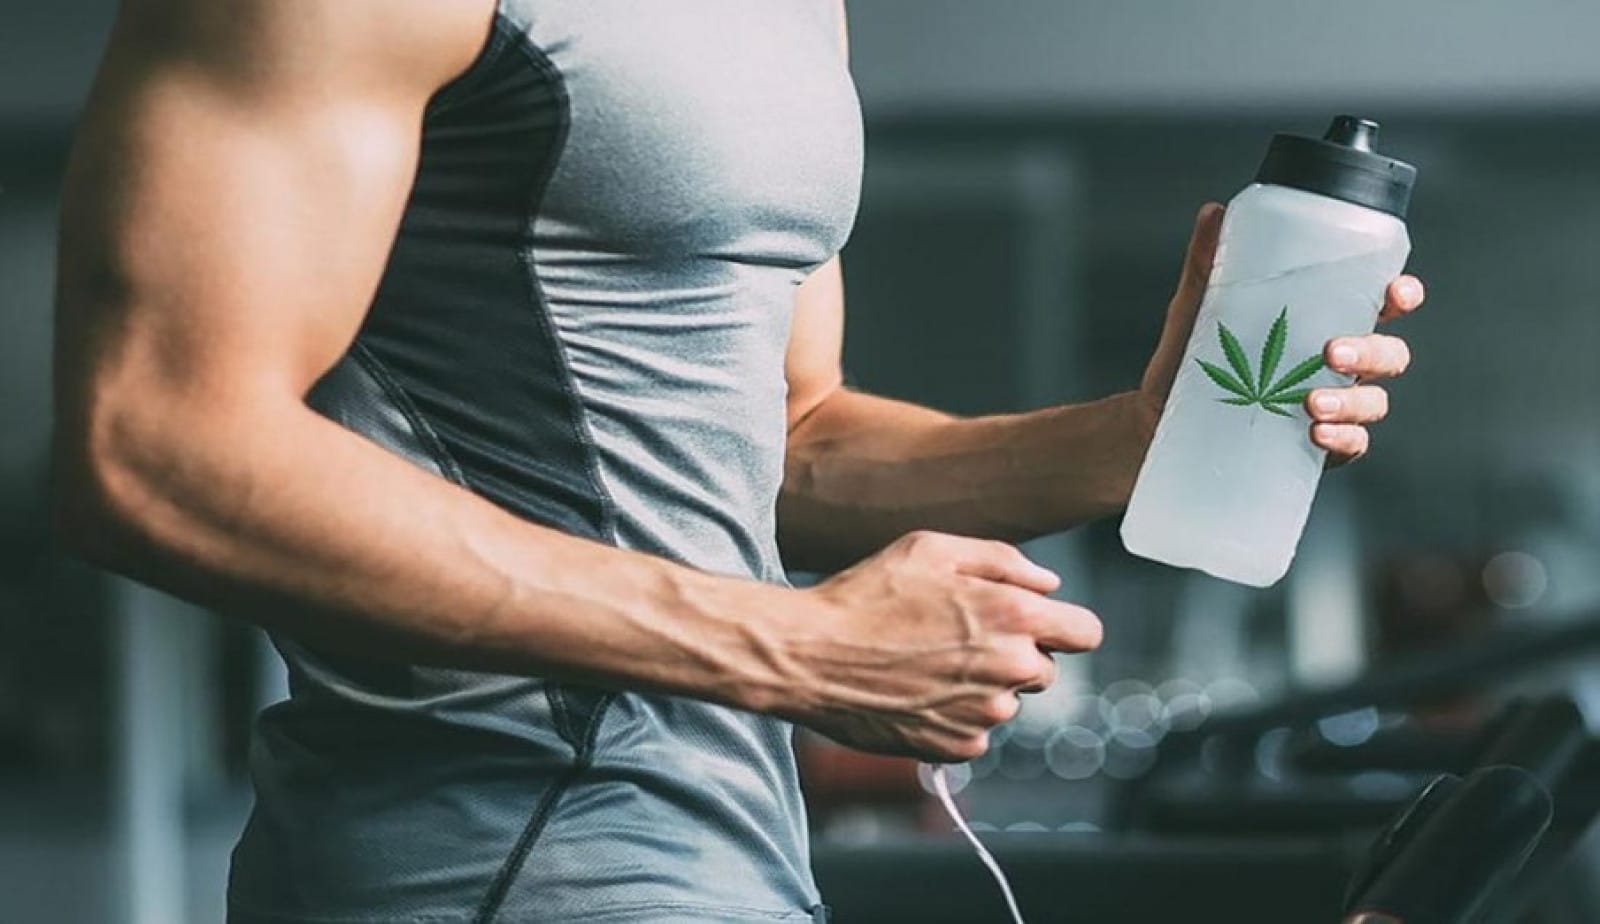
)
(1207, 838)
(1451, 854)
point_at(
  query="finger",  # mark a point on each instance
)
(962, 750)
(1375, 356)
(1017, 663)
(1403, 296)
(1201, 251)
(1044, 678)
(1003, 563)
(1357, 405)
(1344, 441)
(1000, 709)
(1058, 626)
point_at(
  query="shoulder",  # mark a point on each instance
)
(368, 47)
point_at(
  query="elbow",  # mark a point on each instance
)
(99, 496)
(84, 513)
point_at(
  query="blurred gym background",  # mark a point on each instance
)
(1033, 167)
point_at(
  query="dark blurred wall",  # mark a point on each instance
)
(1033, 166)
(47, 54)
(1109, 54)
(27, 254)
(1113, 55)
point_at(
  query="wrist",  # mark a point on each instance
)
(1126, 425)
(1141, 410)
(792, 623)
(756, 669)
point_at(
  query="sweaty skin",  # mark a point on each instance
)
(233, 193)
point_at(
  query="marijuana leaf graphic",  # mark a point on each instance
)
(1249, 389)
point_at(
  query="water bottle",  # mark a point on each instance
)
(1306, 253)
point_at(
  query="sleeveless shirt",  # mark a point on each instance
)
(583, 320)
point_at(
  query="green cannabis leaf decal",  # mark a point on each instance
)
(1248, 389)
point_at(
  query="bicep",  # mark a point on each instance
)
(813, 365)
(226, 218)
(194, 236)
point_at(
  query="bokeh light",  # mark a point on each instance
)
(1075, 753)
(1515, 580)
(1348, 729)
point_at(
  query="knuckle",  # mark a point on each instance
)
(1350, 439)
(1000, 709)
(915, 538)
(970, 748)
(994, 603)
(1019, 665)
(956, 746)
(925, 542)
(1011, 608)
(1001, 551)
(912, 545)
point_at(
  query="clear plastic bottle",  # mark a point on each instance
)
(1305, 255)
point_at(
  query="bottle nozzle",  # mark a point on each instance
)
(1360, 134)
(1341, 165)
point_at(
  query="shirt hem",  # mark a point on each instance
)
(640, 912)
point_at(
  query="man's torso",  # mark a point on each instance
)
(583, 320)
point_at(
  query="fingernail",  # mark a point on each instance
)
(1343, 356)
(1410, 290)
(1324, 403)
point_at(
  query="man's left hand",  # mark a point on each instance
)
(1339, 415)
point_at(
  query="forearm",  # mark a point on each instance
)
(229, 208)
(294, 523)
(863, 470)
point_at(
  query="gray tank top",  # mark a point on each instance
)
(583, 320)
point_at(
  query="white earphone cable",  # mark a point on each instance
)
(941, 788)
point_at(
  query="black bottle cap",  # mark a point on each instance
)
(1343, 165)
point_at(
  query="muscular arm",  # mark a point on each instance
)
(232, 197)
(862, 469)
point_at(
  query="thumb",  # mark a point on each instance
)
(1185, 305)
(1197, 261)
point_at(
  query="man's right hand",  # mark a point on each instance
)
(232, 200)
(924, 647)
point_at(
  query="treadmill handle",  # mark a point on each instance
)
(1447, 867)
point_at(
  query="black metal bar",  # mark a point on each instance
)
(1493, 658)
(1456, 862)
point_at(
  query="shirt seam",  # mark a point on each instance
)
(584, 750)
(423, 431)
